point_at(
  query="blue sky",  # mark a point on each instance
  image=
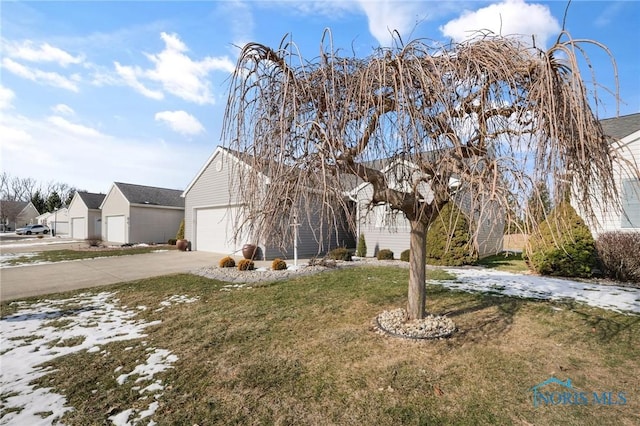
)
(96, 92)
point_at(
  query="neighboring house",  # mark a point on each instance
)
(85, 217)
(212, 207)
(16, 214)
(43, 218)
(384, 228)
(624, 132)
(58, 221)
(140, 214)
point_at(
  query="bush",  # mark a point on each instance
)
(172, 241)
(619, 255)
(246, 265)
(340, 253)
(449, 239)
(94, 242)
(278, 265)
(404, 256)
(562, 245)
(180, 234)
(385, 254)
(361, 250)
(227, 262)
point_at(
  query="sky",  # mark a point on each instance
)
(94, 92)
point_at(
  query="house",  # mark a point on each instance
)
(384, 228)
(624, 133)
(140, 214)
(16, 214)
(85, 216)
(58, 221)
(212, 206)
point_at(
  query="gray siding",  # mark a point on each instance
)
(115, 205)
(215, 187)
(153, 224)
(385, 230)
(212, 188)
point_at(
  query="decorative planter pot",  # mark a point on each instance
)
(249, 251)
(182, 245)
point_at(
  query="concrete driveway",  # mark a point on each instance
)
(36, 280)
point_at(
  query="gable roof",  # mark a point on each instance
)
(91, 200)
(229, 153)
(621, 127)
(150, 195)
(11, 209)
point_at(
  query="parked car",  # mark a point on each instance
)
(33, 229)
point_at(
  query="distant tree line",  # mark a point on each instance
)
(45, 197)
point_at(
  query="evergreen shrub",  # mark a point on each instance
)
(361, 249)
(246, 265)
(278, 265)
(340, 253)
(227, 262)
(449, 239)
(385, 254)
(562, 245)
(404, 256)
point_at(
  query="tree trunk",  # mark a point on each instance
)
(417, 270)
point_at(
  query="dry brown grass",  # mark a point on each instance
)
(304, 352)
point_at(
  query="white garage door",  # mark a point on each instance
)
(214, 230)
(115, 229)
(78, 228)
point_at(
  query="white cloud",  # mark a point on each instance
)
(510, 17)
(176, 72)
(181, 122)
(63, 109)
(42, 77)
(72, 128)
(6, 97)
(29, 51)
(129, 76)
(388, 15)
(81, 156)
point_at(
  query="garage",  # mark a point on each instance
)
(213, 230)
(116, 229)
(78, 228)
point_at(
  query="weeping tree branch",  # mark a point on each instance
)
(491, 114)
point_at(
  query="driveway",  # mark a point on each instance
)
(36, 280)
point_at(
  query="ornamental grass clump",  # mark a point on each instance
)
(227, 262)
(278, 265)
(246, 265)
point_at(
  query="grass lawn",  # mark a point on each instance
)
(66, 254)
(304, 351)
(506, 261)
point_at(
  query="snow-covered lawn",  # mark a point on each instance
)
(611, 297)
(48, 329)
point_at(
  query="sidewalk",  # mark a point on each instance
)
(35, 280)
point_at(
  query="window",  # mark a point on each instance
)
(630, 203)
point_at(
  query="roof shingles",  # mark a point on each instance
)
(149, 195)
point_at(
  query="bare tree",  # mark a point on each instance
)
(484, 119)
